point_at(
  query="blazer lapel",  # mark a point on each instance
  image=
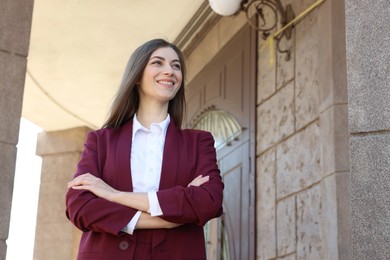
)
(169, 167)
(122, 158)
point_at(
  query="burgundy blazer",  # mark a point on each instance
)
(187, 154)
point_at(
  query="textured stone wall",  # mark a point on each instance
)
(368, 59)
(15, 25)
(302, 141)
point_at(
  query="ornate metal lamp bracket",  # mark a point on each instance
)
(268, 13)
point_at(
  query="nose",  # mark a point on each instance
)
(168, 70)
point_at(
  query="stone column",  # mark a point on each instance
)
(15, 26)
(56, 238)
(334, 135)
(368, 58)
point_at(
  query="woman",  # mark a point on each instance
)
(144, 187)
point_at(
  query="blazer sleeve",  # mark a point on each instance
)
(87, 211)
(196, 204)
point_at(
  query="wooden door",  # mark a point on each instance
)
(236, 229)
(228, 83)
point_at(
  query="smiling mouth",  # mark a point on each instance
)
(164, 82)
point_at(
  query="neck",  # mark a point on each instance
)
(150, 114)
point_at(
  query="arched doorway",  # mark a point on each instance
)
(221, 97)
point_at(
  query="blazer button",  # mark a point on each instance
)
(123, 245)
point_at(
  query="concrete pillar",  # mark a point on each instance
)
(56, 238)
(334, 134)
(368, 56)
(15, 26)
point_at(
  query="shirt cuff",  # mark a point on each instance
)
(154, 205)
(130, 227)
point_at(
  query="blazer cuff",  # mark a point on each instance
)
(130, 227)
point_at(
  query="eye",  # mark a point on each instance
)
(156, 62)
(176, 66)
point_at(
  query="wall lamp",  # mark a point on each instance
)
(268, 12)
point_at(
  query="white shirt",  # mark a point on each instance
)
(146, 161)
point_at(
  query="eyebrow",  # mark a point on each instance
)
(162, 58)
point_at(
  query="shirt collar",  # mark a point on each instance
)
(163, 125)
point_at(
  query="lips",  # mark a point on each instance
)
(166, 82)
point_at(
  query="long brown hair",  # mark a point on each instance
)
(126, 101)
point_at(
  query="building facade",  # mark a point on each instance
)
(307, 166)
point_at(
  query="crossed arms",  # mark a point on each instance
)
(135, 200)
(94, 205)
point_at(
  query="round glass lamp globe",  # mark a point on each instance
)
(225, 7)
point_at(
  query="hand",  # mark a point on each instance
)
(95, 185)
(199, 180)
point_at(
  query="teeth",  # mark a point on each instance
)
(165, 82)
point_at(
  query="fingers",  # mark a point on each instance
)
(199, 180)
(81, 180)
(203, 180)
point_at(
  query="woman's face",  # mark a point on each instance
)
(162, 76)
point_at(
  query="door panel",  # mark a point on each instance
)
(235, 174)
(228, 83)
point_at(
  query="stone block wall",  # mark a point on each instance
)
(302, 150)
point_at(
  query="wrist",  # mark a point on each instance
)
(115, 196)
